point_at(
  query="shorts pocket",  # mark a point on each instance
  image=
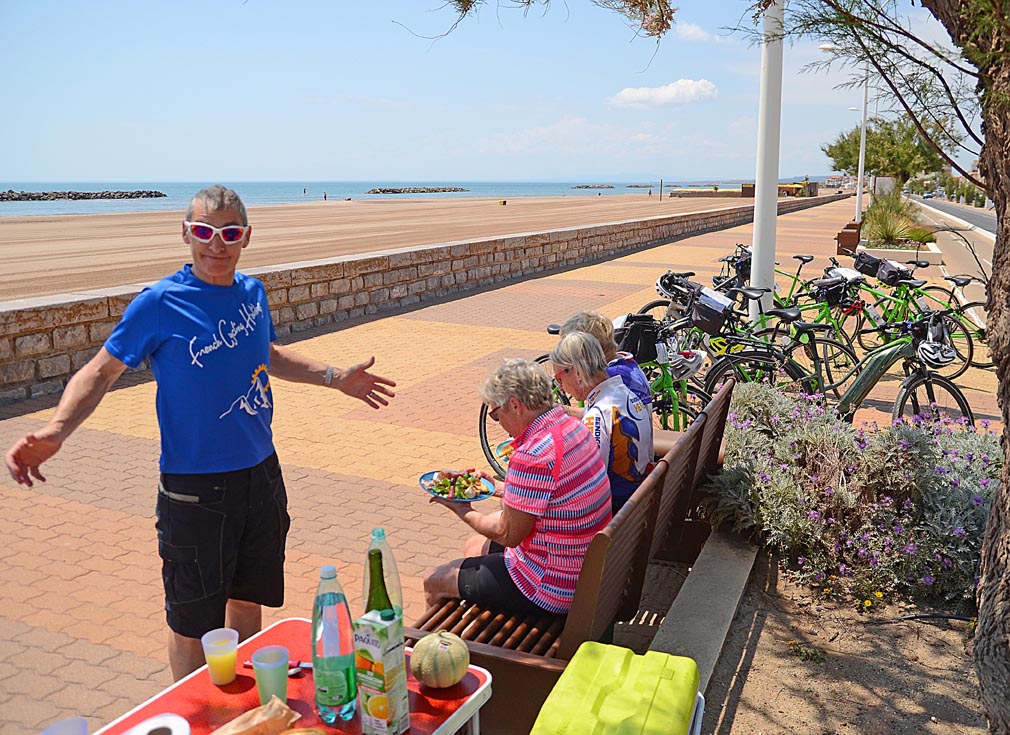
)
(190, 542)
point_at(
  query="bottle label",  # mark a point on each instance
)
(334, 679)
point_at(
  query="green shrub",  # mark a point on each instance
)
(870, 512)
(885, 227)
(921, 234)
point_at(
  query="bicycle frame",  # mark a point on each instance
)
(872, 368)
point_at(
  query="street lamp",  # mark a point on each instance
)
(862, 136)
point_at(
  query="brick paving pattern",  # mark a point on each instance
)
(81, 621)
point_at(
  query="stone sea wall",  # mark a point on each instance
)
(44, 340)
(49, 196)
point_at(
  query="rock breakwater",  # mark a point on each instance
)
(593, 186)
(48, 196)
(414, 190)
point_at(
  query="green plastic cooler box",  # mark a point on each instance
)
(609, 689)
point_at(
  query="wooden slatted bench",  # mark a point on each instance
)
(527, 653)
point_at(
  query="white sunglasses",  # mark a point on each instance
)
(205, 233)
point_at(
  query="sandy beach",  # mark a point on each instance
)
(60, 254)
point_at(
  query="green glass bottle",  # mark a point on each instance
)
(378, 597)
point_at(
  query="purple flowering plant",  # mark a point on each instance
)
(896, 509)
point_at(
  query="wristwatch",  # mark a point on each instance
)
(328, 377)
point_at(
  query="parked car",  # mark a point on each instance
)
(928, 195)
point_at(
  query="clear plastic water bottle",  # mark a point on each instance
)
(332, 650)
(389, 572)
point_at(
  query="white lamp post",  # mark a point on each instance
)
(766, 181)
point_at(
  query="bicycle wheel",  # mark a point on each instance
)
(755, 366)
(929, 397)
(690, 402)
(658, 309)
(973, 316)
(834, 362)
(493, 438)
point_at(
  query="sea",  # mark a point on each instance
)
(256, 193)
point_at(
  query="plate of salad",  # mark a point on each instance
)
(463, 487)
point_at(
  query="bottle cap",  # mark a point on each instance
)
(328, 571)
(387, 614)
(378, 534)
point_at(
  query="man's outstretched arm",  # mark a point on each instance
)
(355, 381)
(80, 398)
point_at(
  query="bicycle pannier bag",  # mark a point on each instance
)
(866, 264)
(638, 336)
(710, 310)
(890, 272)
(833, 295)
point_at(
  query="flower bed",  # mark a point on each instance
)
(869, 512)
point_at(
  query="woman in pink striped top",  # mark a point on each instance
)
(555, 498)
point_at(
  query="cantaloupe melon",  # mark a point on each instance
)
(440, 660)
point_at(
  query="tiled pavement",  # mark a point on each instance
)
(81, 621)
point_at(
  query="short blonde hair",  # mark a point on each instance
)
(582, 352)
(523, 380)
(594, 323)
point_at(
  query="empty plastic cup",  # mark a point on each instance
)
(270, 665)
(219, 650)
(69, 726)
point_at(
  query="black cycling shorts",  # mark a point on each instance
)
(485, 581)
(221, 536)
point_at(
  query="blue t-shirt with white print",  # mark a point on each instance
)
(210, 354)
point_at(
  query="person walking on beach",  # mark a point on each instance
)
(222, 515)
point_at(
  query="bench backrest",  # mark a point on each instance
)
(672, 508)
(613, 572)
(711, 439)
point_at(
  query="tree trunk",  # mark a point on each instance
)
(992, 637)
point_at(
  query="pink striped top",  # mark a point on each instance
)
(557, 474)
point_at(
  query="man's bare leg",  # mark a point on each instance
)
(245, 617)
(185, 655)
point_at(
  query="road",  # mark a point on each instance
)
(953, 239)
(982, 218)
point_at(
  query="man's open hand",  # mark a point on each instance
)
(357, 382)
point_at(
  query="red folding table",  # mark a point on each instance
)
(207, 707)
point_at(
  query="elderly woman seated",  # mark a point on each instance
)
(618, 363)
(617, 419)
(555, 498)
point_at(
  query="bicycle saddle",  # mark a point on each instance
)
(685, 274)
(787, 315)
(913, 282)
(918, 263)
(748, 292)
(553, 329)
(959, 281)
(804, 258)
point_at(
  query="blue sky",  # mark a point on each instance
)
(347, 90)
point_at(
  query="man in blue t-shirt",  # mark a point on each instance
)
(222, 517)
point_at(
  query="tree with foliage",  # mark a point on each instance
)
(893, 148)
(966, 91)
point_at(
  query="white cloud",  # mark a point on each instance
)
(692, 32)
(675, 93)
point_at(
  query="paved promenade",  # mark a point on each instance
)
(81, 622)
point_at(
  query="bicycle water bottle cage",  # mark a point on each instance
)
(787, 315)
